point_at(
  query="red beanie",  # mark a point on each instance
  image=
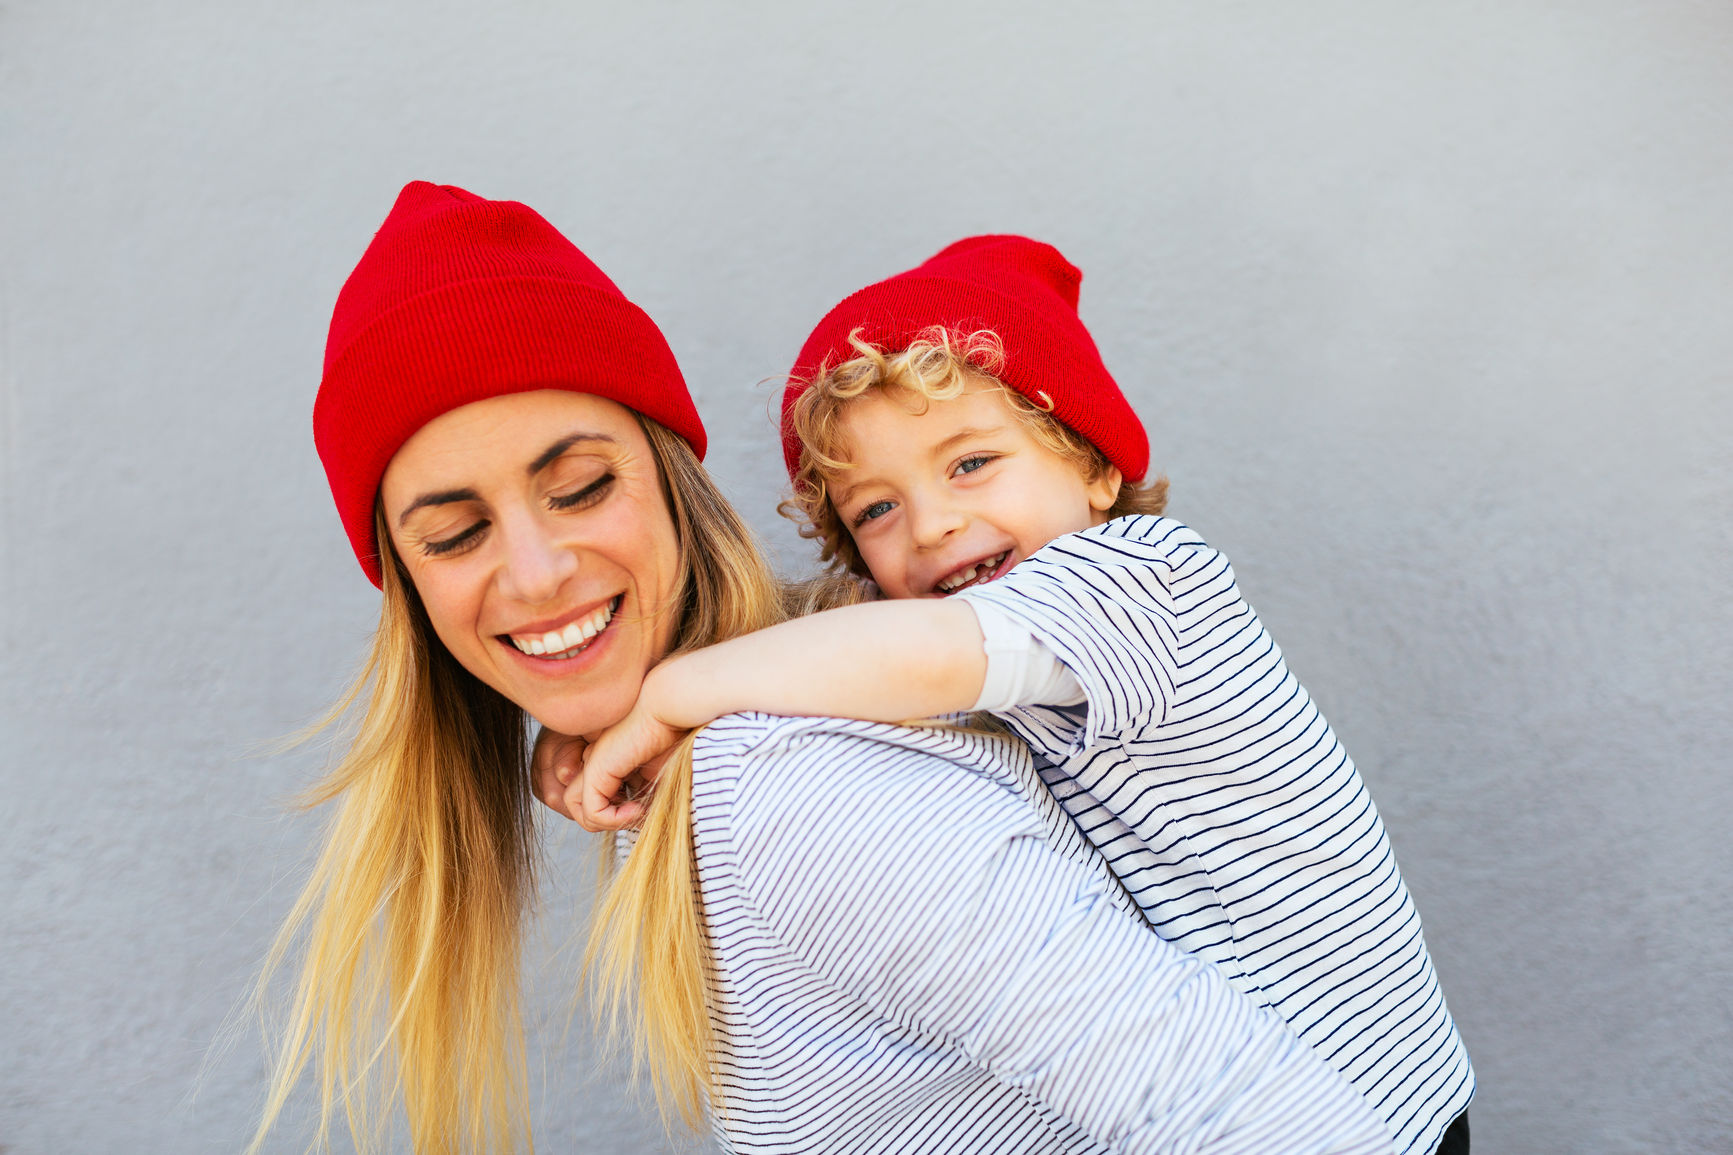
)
(1026, 293)
(459, 299)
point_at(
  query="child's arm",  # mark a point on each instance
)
(879, 661)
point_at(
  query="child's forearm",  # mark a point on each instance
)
(880, 662)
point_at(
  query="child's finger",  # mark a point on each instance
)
(619, 816)
(596, 812)
(574, 805)
(607, 804)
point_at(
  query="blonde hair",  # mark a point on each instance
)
(409, 929)
(937, 366)
(647, 953)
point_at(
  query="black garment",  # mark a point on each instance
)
(1455, 1140)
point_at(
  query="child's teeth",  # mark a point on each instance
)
(980, 569)
(537, 646)
(964, 577)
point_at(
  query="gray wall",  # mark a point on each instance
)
(1429, 309)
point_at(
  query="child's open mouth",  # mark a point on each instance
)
(570, 640)
(978, 574)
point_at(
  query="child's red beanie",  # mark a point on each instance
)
(459, 299)
(1025, 292)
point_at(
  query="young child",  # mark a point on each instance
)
(953, 434)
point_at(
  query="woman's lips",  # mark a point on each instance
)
(569, 640)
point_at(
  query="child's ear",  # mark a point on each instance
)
(1104, 490)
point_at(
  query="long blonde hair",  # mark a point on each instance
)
(937, 366)
(409, 930)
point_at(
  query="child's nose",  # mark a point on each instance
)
(931, 522)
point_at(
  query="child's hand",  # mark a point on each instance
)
(556, 763)
(618, 768)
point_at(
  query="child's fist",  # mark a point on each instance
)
(618, 770)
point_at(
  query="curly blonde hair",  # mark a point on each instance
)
(937, 366)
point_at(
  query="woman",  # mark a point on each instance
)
(515, 458)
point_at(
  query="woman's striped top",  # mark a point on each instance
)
(1221, 799)
(914, 950)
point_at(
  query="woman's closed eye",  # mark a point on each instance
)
(471, 535)
(456, 543)
(581, 498)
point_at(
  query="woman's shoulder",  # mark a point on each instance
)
(748, 732)
(760, 774)
(767, 745)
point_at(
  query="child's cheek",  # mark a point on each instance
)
(886, 572)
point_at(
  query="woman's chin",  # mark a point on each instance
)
(585, 713)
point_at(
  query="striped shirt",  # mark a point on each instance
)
(1221, 799)
(914, 950)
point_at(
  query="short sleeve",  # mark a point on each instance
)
(955, 919)
(1021, 670)
(1113, 603)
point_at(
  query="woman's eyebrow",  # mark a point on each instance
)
(552, 452)
(444, 498)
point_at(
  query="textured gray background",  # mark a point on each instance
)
(1428, 307)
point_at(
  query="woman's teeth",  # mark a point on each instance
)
(568, 641)
(964, 576)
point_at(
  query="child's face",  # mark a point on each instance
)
(956, 495)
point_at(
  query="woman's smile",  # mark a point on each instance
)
(576, 636)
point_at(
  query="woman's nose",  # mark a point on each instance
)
(536, 565)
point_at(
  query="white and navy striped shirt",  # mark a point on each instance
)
(914, 950)
(1219, 796)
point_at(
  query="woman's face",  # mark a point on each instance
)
(534, 528)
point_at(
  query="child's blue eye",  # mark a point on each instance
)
(970, 464)
(876, 510)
